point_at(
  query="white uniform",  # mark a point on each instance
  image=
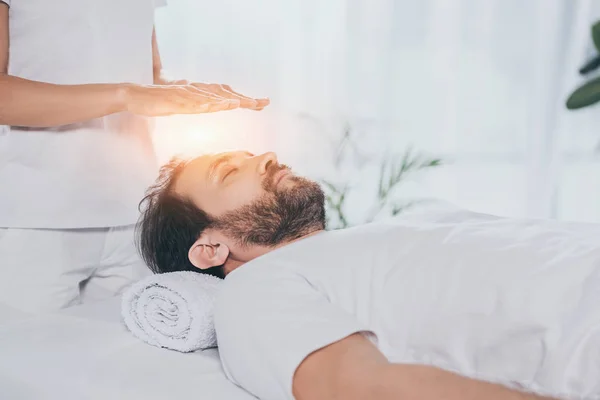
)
(81, 176)
(513, 302)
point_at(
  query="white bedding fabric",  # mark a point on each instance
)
(511, 301)
(86, 353)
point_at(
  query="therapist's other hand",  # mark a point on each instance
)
(163, 100)
(225, 91)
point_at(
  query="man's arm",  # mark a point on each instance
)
(354, 368)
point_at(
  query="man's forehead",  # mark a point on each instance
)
(197, 164)
(206, 160)
(202, 161)
(196, 170)
(193, 171)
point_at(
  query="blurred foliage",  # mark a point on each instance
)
(589, 92)
(393, 171)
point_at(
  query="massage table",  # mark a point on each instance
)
(86, 353)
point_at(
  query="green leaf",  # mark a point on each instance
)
(380, 188)
(330, 186)
(401, 207)
(596, 35)
(585, 95)
(436, 162)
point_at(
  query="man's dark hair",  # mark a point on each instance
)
(170, 224)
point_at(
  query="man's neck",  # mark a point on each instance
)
(258, 251)
(312, 233)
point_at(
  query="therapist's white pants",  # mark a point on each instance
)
(46, 270)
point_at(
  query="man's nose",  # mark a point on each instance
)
(265, 161)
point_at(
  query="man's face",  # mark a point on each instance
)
(253, 199)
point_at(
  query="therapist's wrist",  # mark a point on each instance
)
(123, 95)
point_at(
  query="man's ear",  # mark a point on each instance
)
(206, 253)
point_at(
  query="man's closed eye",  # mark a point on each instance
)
(229, 173)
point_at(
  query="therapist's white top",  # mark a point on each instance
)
(513, 302)
(91, 174)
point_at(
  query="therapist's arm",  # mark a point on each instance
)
(35, 104)
(354, 369)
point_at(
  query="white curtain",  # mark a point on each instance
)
(478, 83)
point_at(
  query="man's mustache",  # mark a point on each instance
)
(268, 182)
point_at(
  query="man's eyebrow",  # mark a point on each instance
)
(215, 164)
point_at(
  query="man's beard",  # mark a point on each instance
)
(281, 215)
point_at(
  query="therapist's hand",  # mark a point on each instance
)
(163, 100)
(226, 92)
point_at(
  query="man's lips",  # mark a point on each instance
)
(279, 176)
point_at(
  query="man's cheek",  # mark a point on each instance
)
(240, 196)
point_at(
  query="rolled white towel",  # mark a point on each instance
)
(173, 310)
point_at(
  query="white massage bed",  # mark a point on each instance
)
(86, 353)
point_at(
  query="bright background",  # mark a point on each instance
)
(478, 83)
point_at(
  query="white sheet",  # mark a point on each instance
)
(86, 353)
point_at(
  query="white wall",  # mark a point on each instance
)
(480, 83)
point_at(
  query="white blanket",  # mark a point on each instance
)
(173, 310)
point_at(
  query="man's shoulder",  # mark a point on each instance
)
(252, 289)
(254, 276)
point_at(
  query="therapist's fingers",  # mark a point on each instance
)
(260, 103)
(208, 91)
(227, 92)
(170, 100)
(245, 101)
(180, 82)
(213, 98)
(196, 101)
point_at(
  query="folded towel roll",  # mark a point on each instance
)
(173, 310)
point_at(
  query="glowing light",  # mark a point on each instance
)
(190, 136)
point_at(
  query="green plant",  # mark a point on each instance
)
(588, 93)
(393, 171)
